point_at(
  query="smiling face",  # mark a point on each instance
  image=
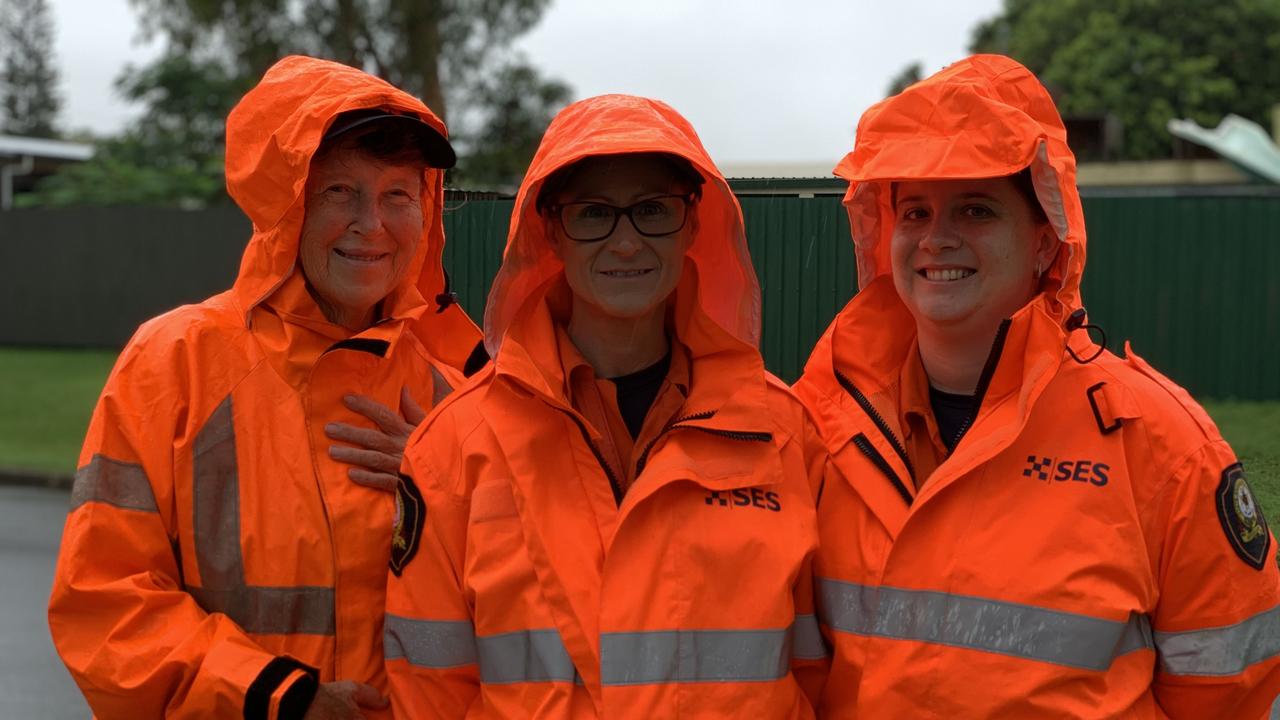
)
(967, 253)
(625, 275)
(363, 221)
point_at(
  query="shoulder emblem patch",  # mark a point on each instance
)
(1242, 518)
(411, 514)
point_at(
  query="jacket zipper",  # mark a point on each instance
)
(677, 424)
(644, 456)
(984, 380)
(614, 484)
(860, 440)
(880, 424)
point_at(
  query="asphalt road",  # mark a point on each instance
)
(33, 681)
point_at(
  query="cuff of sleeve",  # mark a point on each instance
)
(302, 682)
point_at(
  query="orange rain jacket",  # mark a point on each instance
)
(212, 544)
(531, 592)
(1089, 549)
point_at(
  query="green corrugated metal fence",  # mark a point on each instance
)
(804, 260)
(1192, 281)
(475, 232)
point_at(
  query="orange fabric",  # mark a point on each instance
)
(206, 498)
(1132, 538)
(596, 399)
(920, 433)
(512, 546)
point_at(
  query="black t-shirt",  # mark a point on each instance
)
(637, 391)
(953, 414)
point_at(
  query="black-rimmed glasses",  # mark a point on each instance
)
(651, 217)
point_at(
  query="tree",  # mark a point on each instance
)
(1146, 61)
(512, 108)
(448, 52)
(455, 54)
(28, 86)
(906, 77)
(173, 155)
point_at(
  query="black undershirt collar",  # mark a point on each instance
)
(953, 413)
(637, 391)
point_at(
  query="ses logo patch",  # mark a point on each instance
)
(745, 497)
(1242, 518)
(1081, 471)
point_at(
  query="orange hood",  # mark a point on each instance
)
(984, 116)
(717, 265)
(272, 134)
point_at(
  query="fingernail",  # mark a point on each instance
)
(330, 427)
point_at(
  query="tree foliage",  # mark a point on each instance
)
(29, 79)
(454, 54)
(421, 46)
(512, 107)
(906, 77)
(1146, 61)
(173, 155)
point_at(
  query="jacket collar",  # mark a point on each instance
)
(726, 377)
(868, 344)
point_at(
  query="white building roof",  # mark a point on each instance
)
(16, 146)
(819, 169)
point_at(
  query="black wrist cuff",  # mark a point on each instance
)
(296, 700)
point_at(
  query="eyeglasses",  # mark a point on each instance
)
(651, 217)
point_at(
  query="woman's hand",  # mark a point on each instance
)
(343, 700)
(377, 453)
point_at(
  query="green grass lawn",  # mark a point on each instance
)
(1253, 429)
(46, 397)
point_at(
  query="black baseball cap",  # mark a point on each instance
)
(435, 148)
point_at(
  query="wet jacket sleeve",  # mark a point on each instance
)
(135, 642)
(1217, 622)
(429, 639)
(811, 659)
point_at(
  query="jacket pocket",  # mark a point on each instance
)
(492, 501)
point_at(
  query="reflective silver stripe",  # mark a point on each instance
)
(665, 656)
(264, 610)
(440, 388)
(525, 656)
(994, 626)
(305, 610)
(1221, 651)
(109, 481)
(631, 658)
(436, 644)
(217, 502)
(808, 639)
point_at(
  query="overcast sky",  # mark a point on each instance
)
(781, 81)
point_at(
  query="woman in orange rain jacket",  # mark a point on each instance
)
(616, 519)
(217, 561)
(1028, 526)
